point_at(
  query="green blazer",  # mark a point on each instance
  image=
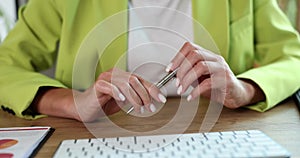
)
(254, 37)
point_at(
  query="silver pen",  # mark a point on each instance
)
(160, 84)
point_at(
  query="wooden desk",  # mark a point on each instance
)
(281, 123)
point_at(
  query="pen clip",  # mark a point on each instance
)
(166, 79)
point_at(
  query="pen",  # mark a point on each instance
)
(160, 84)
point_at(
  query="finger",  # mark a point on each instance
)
(109, 89)
(195, 56)
(130, 94)
(130, 87)
(187, 64)
(202, 68)
(202, 88)
(154, 93)
(139, 88)
(214, 82)
(111, 107)
(126, 86)
(104, 99)
(180, 56)
(207, 55)
(105, 76)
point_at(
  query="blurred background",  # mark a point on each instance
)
(8, 13)
(292, 10)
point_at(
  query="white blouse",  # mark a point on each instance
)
(157, 30)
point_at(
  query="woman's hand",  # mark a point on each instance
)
(206, 71)
(115, 88)
(111, 90)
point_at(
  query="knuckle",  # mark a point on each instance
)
(197, 55)
(192, 56)
(104, 75)
(98, 82)
(200, 66)
(198, 52)
(220, 59)
(204, 65)
(187, 44)
(133, 81)
(124, 85)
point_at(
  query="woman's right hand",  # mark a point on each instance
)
(113, 89)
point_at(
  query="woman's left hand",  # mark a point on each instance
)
(207, 71)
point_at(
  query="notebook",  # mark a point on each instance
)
(22, 142)
(250, 143)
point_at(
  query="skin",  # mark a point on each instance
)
(207, 71)
(111, 90)
(200, 68)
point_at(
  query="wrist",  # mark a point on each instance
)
(68, 104)
(55, 102)
(253, 93)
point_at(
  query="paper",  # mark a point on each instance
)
(21, 142)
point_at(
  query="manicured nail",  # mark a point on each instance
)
(142, 109)
(189, 98)
(122, 97)
(179, 90)
(169, 67)
(162, 98)
(177, 82)
(152, 108)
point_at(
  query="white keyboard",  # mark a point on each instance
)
(251, 143)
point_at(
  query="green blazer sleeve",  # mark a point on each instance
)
(30, 47)
(277, 55)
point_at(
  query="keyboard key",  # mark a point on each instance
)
(252, 143)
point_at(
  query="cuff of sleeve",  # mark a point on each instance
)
(18, 101)
(264, 84)
(28, 113)
(260, 106)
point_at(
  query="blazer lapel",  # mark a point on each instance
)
(213, 15)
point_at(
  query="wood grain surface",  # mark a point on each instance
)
(281, 123)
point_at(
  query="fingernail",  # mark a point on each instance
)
(177, 82)
(122, 97)
(142, 109)
(189, 98)
(179, 90)
(169, 67)
(162, 98)
(152, 108)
